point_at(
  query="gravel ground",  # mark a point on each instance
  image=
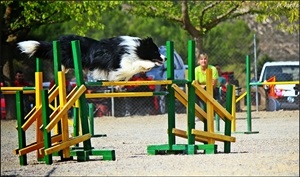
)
(274, 151)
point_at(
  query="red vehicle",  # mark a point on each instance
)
(3, 111)
(2, 105)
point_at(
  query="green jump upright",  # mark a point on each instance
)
(191, 97)
(229, 102)
(171, 95)
(82, 101)
(21, 121)
(83, 154)
(248, 97)
(171, 147)
(46, 121)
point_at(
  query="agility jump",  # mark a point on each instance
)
(47, 145)
(207, 136)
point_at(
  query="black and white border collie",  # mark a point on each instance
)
(112, 59)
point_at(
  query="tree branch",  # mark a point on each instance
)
(210, 6)
(221, 18)
(187, 25)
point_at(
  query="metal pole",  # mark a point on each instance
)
(255, 74)
(248, 88)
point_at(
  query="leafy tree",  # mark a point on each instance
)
(117, 23)
(142, 27)
(19, 17)
(200, 17)
(286, 12)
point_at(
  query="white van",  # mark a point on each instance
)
(285, 96)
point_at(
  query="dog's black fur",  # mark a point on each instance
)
(116, 58)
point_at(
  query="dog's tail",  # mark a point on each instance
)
(39, 49)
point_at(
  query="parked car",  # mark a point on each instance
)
(281, 96)
(160, 73)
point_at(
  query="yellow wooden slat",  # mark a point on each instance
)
(12, 88)
(240, 97)
(35, 146)
(233, 121)
(38, 88)
(183, 134)
(281, 83)
(38, 103)
(205, 97)
(114, 83)
(53, 94)
(214, 136)
(37, 114)
(209, 106)
(62, 103)
(118, 94)
(14, 92)
(181, 96)
(66, 144)
(64, 110)
(30, 112)
(72, 92)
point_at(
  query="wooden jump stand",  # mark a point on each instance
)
(60, 143)
(206, 136)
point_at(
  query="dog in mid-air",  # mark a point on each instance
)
(113, 59)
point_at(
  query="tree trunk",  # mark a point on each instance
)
(7, 70)
(198, 42)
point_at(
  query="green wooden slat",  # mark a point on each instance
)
(228, 124)
(46, 121)
(171, 95)
(82, 100)
(38, 65)
(191, 92)
(21, 121)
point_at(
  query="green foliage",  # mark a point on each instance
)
(286, 12)
(31, 14)
(50, 32)
(223, 43)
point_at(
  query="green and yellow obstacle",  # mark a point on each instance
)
(206, 136)
(47, 145)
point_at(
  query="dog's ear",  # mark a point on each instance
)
(148, 40)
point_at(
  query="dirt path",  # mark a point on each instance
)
(274, 151)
